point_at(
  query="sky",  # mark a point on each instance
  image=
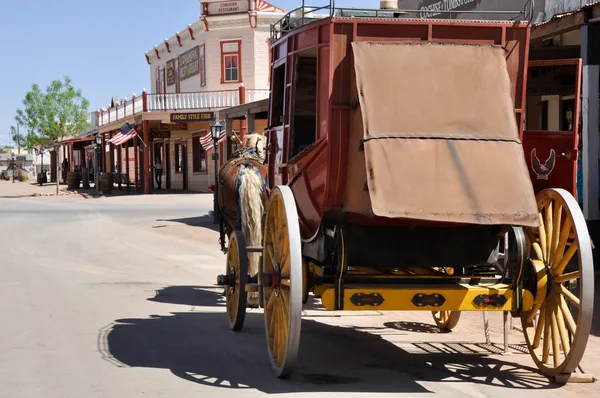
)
(99, 45)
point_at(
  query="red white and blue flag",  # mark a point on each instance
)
(125, 133)
(207, 141)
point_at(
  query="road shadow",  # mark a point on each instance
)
(196, 296)
(199, 347)
(201, 221)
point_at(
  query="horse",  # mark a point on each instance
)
(243, 197)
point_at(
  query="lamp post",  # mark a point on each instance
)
(215, 130)
(12, 156)
(97, 163)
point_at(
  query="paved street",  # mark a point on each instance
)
(115, 297)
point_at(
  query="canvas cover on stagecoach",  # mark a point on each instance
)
(441, 142)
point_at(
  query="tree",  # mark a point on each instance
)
(50, 117)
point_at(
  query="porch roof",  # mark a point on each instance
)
(565, 22)
(240, 111)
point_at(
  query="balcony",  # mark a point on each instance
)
(205, 100)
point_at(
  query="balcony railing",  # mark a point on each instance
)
(179, 102)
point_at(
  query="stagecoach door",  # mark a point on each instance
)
(551, 135)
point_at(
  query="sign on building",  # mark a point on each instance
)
(543, 10)
(189, 64)
(171, 72)
(226, 7)
(192, 117)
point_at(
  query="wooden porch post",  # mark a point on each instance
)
(590, 55)
(135, 163)
(242, 101)
(146, 128)
(250, 122)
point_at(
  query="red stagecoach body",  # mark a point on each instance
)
(316, 126)
(398, 164)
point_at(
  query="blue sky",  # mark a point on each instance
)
(100, 45)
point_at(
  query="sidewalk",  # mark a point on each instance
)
(9, 189)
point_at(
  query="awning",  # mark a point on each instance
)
(440, 135)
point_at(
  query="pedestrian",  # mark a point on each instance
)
(158, 171)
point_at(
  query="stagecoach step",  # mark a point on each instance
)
(459, 297)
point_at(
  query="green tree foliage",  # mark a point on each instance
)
(50, 117)
(54, 115)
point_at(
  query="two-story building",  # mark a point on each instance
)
(219, 61)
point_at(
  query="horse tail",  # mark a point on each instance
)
(251, 190)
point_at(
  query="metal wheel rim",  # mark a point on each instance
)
(549, 201)
(282, 257)
(236, 265)
(446, 320)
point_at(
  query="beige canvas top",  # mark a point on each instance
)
(441, 138)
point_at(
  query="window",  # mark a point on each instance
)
(230, 61)
(198, 153)
(278, 97)
(179, 158)
(304, 123)
(202, 66)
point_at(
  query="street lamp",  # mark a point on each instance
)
(97, 153)
(215, 130)
(12, 156)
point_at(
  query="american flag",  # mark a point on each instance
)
(125, 133)
(207, 140)
(37, 152)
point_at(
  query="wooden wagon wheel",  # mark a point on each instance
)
(561, 255)
(237, 275)
(282, 281)
(446, 320)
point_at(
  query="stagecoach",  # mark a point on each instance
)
(398, 176)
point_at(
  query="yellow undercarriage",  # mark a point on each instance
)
(418, 297)
(460, 297)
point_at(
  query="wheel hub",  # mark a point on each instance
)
(550, 280)
(276, 279)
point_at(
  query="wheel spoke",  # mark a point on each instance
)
(565, 260)
(562, 242)
(555, 231)
(568, 277)
(543, 241)
(570, 296)
(567, 315)
(539, 328)
(538, 251)
(555, 339)
(549, 236)
(547, 329)
(271, 253)
(562, 329)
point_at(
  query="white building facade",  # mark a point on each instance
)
(219, 61)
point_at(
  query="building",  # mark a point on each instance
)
(219, 61)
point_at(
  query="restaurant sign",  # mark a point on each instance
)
(173, 126)
(189, 64)
(226, 7)
(192, 117)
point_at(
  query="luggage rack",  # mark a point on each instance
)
(307, 14)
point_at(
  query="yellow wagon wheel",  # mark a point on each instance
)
(446, 320)
(237, 277)
(282, 281)
(558, 326)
